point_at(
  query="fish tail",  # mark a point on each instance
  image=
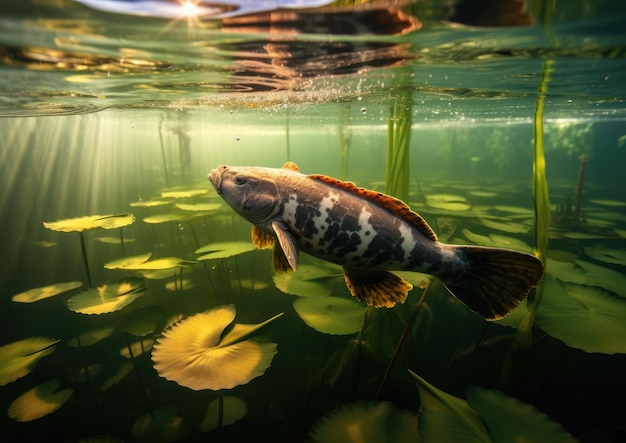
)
(491, 281)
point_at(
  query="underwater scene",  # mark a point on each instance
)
(313, 221)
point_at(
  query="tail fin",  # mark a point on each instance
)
(492, 281)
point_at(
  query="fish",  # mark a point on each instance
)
(369, 234)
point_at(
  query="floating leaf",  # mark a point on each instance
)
(509, 420)
(152, 265)
(121, 263)
(448, 202)
(138, 347)
(612, 203)
(446, 418)
(184, 193)
(292, 284)
(513, 228)
(143, 321)
(234, 409)
(177, 285)
(366, 422)
(583, 317)
(36, 294)
(89, 222)
(108, 297)
(330, 315)
(586, 273)
(515, 210)
(114, 240)
(199, 207)
(116, 378)
(19, 358)
(483, 194)
(607, 255)
(39, 401)
(84, 374)
(164, 218)
(224, 250)
(498, 241)
(90, 338)
(150, 203)
(193, 353)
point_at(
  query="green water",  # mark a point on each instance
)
(108, 113)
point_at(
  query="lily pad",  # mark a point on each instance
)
(509, 419)
(137, 348)
(116, 378)
(143, 321)
(587, 273)
(109, 297)
(515, 210)
(366, 422)
(444, 417)
(330, 315)
(513, 228)
(164, 218)
(19, 358)
(607, 255)
(498, 241)
(39, 401)
(36, 294)
(89, 222)
(224, 250)
(90, 338)
(234, 409)
(149, 203)
(141, 263)
(81, 376)
(187, 193)
(448, 202)
(612, 203)
(196, 353)
(199, 207)
(583, 317)
(114, 240)
(159, 425)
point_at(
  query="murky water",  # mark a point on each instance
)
(114, 117)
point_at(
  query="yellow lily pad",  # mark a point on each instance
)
(448, 202)
(234, 409)
(184, 193)
(109, 297)
(224, 250)
(39, 401)
(199, 206)
(89, 222)
(20, 357)
(90, 338)
(150, 203)
(164, 218)
(195, 352)
(36, 294)
(136, 264)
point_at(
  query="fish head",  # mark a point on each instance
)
(251, 191)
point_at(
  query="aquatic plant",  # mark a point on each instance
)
(108, 297)
(397, 166)
(39, 401)
(41, 293)
(19, 358)
(87, 223)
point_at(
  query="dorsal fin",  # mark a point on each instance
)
(392, 204)
(292, 166)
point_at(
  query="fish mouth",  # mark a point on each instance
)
(215, 177)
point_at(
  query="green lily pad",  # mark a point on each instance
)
(330, 315)
(143, 321)
(366, 422)
(81, 376)
(39, 401)
(587, 273)
(612, 203)
(164, 218)
(224, 250)
(187, 193)
(89, 222)
(497, 241)
(446, 418)
(196, 353)
(20, 357)
(513, 228)
(607, 255)
(150, 203)
(114, 240)
(583, 317)
(448, 202)
(234, 409)
(509, 420)
(109, 297)
(515, 210)
(140, 263)
(483, 194)
(90, 338)
(199, 207)
(138, 347)
(36, 294)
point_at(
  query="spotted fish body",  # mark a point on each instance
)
(369, 234)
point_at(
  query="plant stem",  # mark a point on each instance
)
(86, 263)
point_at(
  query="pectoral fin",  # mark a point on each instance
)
(376, 288)
(287, 243)
(261, 239)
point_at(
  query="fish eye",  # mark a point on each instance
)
(239, 179)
